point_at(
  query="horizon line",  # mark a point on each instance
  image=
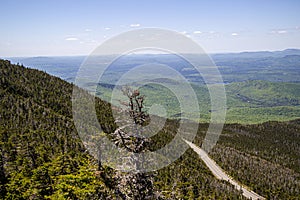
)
(216, 53)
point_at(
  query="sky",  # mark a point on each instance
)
(73, 27)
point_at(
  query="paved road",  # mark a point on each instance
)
(220, 174)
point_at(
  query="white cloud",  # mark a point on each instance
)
(234, 34)
(183, 32)
(135, 25)
(72, 39)
(107, 28)
(281, 31)
(88, 30)
(197, 32)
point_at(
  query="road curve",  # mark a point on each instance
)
(220, 174)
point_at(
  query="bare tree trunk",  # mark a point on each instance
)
(137, 186)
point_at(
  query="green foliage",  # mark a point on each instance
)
(188, 178)
(265, 94)
(42, 157)
(264, 157)
(80, 185)
(248, 102)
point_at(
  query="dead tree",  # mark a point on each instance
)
(134, 185)
(136, 106)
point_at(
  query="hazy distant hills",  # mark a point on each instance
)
(275, 66)
(257, 54)
(64, 67)
(275, 69)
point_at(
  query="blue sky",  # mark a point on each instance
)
(70, 27)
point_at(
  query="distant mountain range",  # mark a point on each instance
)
(275, 66)
(257, 54)
(245, 54)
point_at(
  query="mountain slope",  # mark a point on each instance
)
(42, 157)
(41, 154)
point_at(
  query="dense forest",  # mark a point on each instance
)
(42, 156)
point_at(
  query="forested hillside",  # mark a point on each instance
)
(42, 157)
(265, 157)
(41, 154)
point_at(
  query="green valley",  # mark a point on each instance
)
(248, 102)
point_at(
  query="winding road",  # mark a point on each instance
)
(220, 174)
